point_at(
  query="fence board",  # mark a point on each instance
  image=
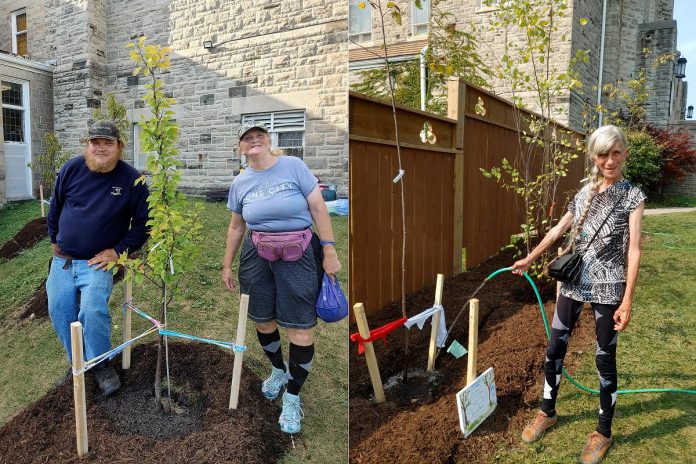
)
(490, 213)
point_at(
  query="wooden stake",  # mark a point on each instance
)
(435, 323)
(239, 355)
(473, 340)
(370, 358)
(78, 362)
(41, 197)
(127, 316)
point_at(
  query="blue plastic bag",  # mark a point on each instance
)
(332, 305)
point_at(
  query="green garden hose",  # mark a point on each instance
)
(565, 373)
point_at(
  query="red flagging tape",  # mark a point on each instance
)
(376, 334)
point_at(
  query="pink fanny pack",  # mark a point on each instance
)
(288, 246)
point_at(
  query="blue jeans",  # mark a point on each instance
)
(95, 288)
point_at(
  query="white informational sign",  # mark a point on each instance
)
(476, 401)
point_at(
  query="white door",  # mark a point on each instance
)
(17, 135)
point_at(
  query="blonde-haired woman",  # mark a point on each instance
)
(281, 259)
(611, 207)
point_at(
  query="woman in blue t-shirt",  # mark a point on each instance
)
(605, 216)
(277, 199)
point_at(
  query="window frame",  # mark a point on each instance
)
(269, 118)
(362, 36)
(24, 108)
(15, 32)
(414, 26)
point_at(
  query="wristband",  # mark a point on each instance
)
(326, 242)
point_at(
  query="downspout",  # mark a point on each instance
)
(423, 78)
(601, 60)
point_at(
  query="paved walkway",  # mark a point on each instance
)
(659, 211)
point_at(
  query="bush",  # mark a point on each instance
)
(678, 153)
(644, 163)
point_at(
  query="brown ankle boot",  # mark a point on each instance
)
(597, 445)
(538, 426)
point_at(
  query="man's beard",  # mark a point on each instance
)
(94, 164)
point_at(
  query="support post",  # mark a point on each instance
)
(370, 358)
(41, 200)
(239, 355)
(432, 350)
(473, 340)
(127, 317)
(78, 362)
(456, 100)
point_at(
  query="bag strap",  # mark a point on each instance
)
(604, 221)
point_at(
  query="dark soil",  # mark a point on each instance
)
(37, 306)
(129, 428)
(511, 339)
(32, 233)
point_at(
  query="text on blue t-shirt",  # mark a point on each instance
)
(275, 199)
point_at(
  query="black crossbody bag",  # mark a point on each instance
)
(568, 267)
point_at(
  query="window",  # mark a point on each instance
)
(19, 32)
(359, 21)
(139, 156)
(13, 112)
(420, 17)
(287, 129)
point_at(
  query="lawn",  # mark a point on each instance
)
(31, 358)
(656, 351)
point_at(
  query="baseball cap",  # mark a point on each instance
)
(104, 129)
(249, 125)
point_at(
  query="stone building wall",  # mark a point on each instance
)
(40, 81)
(276, 56)
(36, 27)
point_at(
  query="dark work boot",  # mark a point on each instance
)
(107, 379)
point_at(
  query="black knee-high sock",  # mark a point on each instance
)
(300, 365)
(270, 342)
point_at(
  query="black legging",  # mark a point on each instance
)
(564, 319)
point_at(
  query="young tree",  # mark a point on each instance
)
(533, 78)
(50, 161)
(174, 221)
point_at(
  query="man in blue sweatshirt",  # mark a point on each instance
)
(96, 214)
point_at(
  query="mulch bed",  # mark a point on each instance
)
(511, 339)
(32, 233)
(128, 428)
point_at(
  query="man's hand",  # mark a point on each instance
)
(103, 258)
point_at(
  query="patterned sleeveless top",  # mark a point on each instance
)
(603, 278)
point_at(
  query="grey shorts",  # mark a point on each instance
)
(282, 291)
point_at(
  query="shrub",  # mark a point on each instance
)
(678, 153)
(644, 164)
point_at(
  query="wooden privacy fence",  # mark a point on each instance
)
(492, 213)
(450, 205)
(375, 201)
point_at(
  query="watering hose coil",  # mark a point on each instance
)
(565, 373)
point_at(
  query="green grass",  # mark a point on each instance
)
(672, 201)
(656, 351)
(31, 358)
